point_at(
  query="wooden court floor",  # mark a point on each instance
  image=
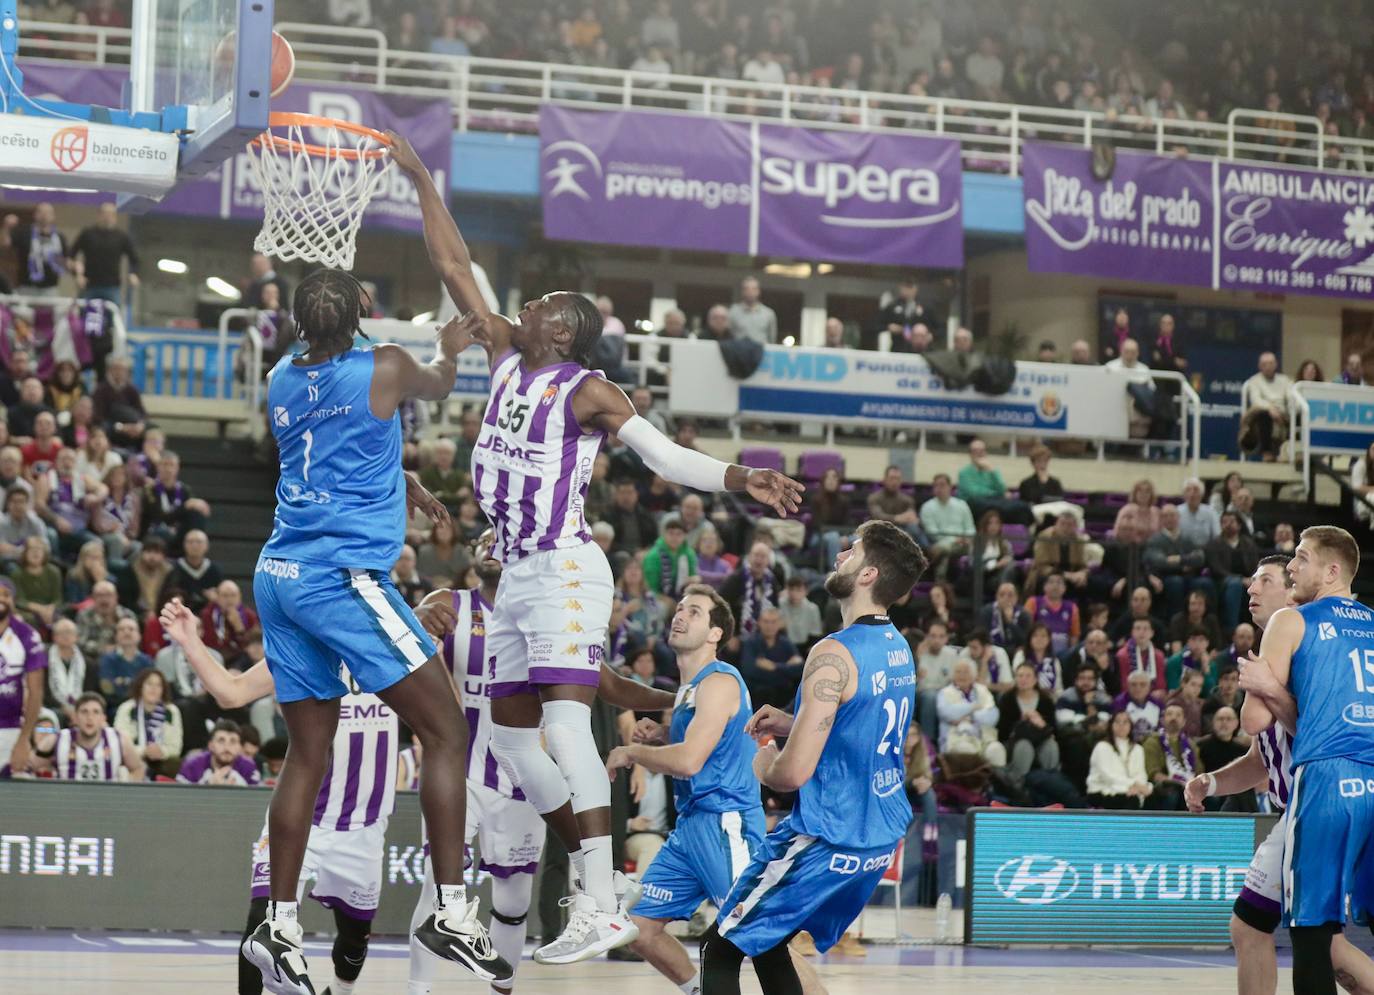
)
(101, 964)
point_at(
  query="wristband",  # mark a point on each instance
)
(1211, 785)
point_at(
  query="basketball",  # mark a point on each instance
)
(283, 64)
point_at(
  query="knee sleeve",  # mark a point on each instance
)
(510, 906)
(1263, 920)
(529, 768)
(775, 971)
(350, 945)
(1312, 968)
(568, 729)
(250, 978)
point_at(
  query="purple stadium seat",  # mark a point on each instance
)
(811, 465)
(763, 458)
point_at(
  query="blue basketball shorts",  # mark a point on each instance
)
(704, 854)
(314, 617)
(800, 882)
(1328, 859)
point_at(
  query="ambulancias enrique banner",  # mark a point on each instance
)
(1233, 226)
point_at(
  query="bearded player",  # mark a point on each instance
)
(545, 422)
(844, 758)
(1267, 767)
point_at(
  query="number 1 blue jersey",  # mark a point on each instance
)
(1332, 678)
(341, 498)
(857, 797)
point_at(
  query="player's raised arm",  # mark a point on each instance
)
(633, 696)
(602, 404)
(717, 702)
(1282, 636)
(829, 680)
(399, 376)
(448, 253)
(228, 690)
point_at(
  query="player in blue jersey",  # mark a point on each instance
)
(324, 593)
(1324, 651)
(709, 756)
(844, 759)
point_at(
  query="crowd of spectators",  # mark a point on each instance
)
(1170, 60)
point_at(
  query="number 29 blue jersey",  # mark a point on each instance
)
(857, 797)
(341, 497)
(1332, 678)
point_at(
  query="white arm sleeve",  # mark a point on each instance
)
(670, 461)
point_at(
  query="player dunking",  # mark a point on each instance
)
(1258, 909)
(506, 827)
(1324, 650)
(844, 759)
(348, 833)
(545, 421)
(324, 593)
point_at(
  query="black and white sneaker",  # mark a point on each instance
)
(456, 934)
(274, 948)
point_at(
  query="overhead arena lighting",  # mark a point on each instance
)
(222, 287)
(174, 266)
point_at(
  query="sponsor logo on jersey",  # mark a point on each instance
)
(1326, 631)
(887, 781)
(879, 683)
(657, 892)
(845, 863)
(1036, 879)
(1355, 787)
(1358, 714)
(281, 417)
(285, 569)
(499, 447)
(549, 394)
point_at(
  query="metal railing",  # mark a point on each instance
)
(200, 365)
(506, 94)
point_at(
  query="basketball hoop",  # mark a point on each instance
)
(317, 176)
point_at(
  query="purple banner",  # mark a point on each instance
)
(231, 191)
(1295, 231)
(633, 178)
(1151, 221)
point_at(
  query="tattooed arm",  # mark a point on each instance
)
(828, 681)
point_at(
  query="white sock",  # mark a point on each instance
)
(579, 864)
(282, 911)
(418, 988)
(450, 896)
(341, 987)
(692, 987)
(596, 851)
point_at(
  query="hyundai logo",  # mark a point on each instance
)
(1036, 879)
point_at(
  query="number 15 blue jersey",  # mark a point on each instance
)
(1332, 678)
(341, 498)
(857, 797)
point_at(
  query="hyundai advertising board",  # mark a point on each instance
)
(1149, 878)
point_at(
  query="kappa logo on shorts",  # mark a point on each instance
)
(1326, 631)
(573, 627)
(572, 605)
(572, 566)
(571, 585)
(573, 650)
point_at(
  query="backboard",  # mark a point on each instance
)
(204, 66)
(197, 92)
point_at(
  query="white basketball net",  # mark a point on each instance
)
(313, 201)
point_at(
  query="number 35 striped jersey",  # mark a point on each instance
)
(532, 462)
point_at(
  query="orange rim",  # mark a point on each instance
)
(285, 119)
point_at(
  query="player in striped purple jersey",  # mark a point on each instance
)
(408, 767)
(506, 827)
(544, 424)
(1268, 767)
(344, 853)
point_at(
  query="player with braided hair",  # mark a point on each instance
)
(324, 592)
